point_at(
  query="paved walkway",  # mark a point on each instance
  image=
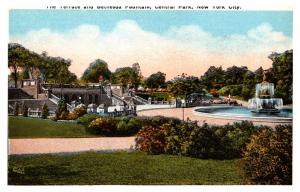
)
(62, 145)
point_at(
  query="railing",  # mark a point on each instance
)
(56, 99)
(140, 99)
(119, 98)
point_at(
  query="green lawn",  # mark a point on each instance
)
(21, 127)
(121, 168)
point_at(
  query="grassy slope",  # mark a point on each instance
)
(20, 127)
(121, 168)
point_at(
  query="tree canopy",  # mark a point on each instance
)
(49, 69)
(126, 76)
(182, 86)
(156, 80)
(96, 69)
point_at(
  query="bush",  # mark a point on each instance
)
(201, 143)
(16, 109)
(268, 156)
(25, 111)
(45, 111)
(103, 126)
(128, 126)
(87, 118)
(79, 111)
(151, 139)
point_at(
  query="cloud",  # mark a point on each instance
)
(188, 49)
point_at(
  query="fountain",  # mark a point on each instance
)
(264, 101)
(262, 108)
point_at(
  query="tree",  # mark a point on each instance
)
(16, 109)
(282, 72)
(235, 75)
(268, 156)
(126, 76)
(156, 80)
(259, 73)
(248, 85)
(96, 69)
(184, 85)
(24, 110)
(213, 77)
(56, 70)
(45, 111)
(17, 55)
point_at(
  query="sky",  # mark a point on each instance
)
(173, 42)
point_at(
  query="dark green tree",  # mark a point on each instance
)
(16, 109)
(282, 72)
(156, 80)
(184, 85)
(17, 56)
(95, 70)
(25, 110)
(213, 78)
(126, 76)
(248, 89)
(45, 111)
(235, 75)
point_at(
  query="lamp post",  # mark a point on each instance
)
(182, 105)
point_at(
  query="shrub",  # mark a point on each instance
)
(233, 139)
(79, 111)
(128, 126)
(25, 111)
(103, 125)
(151, 139)
(268, 156)
(16, 109)
(87, 118)
(45, 111)
(201, 143)
(176, 135)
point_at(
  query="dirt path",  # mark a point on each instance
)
(61, 145)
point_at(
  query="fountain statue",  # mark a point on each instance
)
(264, 101)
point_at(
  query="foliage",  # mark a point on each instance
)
(95, 70)
(248, 88)
(17, 54)
(87, 118)
(268, 156)
(126, 76)
(151, 139)
(282, 71)
(214, 92)
(184, 85)
(128, 126)
(50, 69)
(16, 109)
(79, 111)
(55, 69)
(213, 78)
(45, 111)
(189, 139)
(156, 80)
(103, 126)
(234, 75)
(61, 107)
(25, 110)
(233, 90)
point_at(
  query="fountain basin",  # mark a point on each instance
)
(243, 113)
